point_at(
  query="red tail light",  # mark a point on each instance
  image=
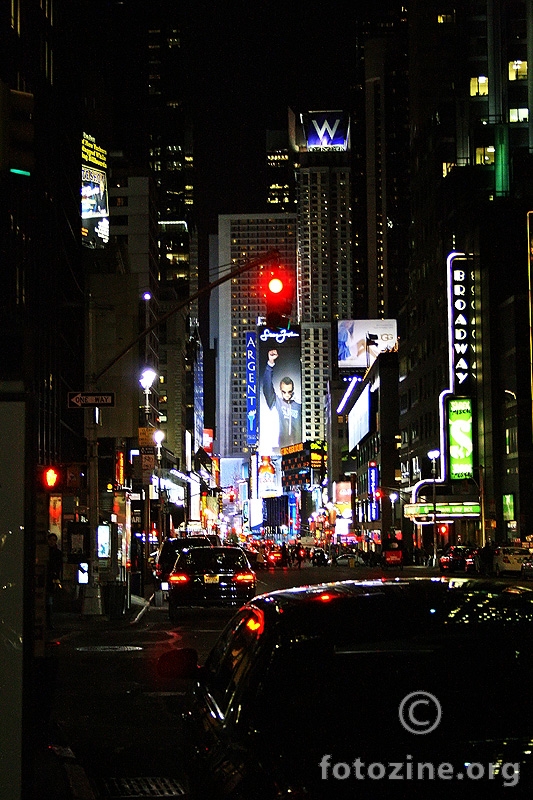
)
(244, 577)
(178, 577)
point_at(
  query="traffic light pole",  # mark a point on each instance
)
(92, 600)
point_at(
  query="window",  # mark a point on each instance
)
(479, 86)
(517, 70)
(518, 114)
(485, 155)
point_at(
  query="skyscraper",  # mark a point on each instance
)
(236, 308)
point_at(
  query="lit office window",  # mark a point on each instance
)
(518, 114)
(479, 86)
(485, 155)
(517, 70)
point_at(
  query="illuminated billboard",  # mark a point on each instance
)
(460, 441)
(359, 419)
(279, 389)
(326, 130)
(94, 194)
(251, 388)
(360, 341)
(462, 322)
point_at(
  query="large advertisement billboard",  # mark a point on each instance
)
(360, 341)
(327, 130)
(280, 389)
(94, 194)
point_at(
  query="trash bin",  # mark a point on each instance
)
(115, 599)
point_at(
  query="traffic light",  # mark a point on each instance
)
(50, 478)
(443, 529)
(378, 494)
(278, 292)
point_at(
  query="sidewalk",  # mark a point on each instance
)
(56, 774)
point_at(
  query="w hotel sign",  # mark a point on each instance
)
(461, 323)
(327, 130)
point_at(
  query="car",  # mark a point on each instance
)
(168, 553)
(509, 559)
(351, 559)
(210, 576)
(458, 558)
(526, 570)
(276, 710)
(274, 558)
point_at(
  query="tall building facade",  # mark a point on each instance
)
(325, 260)
(236, 307)
(471, 134)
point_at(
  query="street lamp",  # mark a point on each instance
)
(393, 496)
(433, 455)
(146, 380)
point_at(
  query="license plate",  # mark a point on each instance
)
(210, 578)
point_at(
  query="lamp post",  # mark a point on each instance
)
(393, 496)
(433, 455)
(146, 380)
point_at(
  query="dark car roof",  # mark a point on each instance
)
(392, 608)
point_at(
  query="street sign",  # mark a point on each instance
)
(90, 399)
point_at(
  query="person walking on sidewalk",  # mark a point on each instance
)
(54, 575)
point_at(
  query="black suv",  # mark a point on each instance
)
(321, 692)
(168, 553)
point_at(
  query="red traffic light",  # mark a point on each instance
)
(50, 478)
(278, 292)
(378, 494)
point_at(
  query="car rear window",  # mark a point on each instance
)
(213, 559)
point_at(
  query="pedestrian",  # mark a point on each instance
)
(284, 555)
(299, 556)
(54, 575)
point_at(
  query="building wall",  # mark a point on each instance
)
(239, 304)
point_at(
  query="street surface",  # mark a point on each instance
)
(117, 715)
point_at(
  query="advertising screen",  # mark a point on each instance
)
(94, 194)
(359, 419)
(460, 441)
(280, 389)
(360, 341)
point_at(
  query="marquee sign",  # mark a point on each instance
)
(462, 323)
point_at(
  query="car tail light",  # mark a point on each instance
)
(178, 578)
(244, 577)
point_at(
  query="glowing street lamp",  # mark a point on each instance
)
(146, 380)
(433, 455)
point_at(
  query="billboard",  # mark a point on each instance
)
(326, 130)
(360, 341)
(359, 419)
(251, 388)
(94, 194)
(460, 439)
(280, 389)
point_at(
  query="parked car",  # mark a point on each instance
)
(210, 576)
(509, 559)
(458, 558)
(350, 559)
(168, 553)
(275, 712)
(526, 570)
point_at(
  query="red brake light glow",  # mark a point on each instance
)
(178, 577)
(256, 623)
(244, 577)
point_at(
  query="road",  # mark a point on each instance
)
(117, 714)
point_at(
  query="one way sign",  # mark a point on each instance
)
(90, 399)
